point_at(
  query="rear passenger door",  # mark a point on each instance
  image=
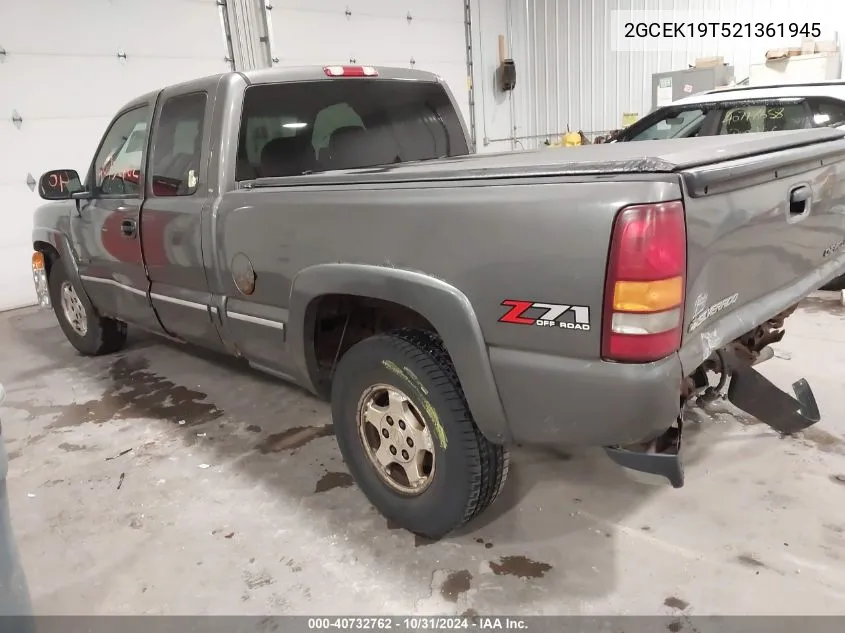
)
(171, 220)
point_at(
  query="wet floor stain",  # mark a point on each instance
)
(836, 529)
(749, 560)
(838, 479)
(72, 448)
(254, 580)
(132, 392)
(136, 521)
(824, 441)
(673, 602)
(519, 566)
(254, 428)
(486, 544)
(293, 438)
(13, 455)
(333, 480)
(456, 584)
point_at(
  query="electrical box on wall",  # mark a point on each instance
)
(671, 86)
(507, 75)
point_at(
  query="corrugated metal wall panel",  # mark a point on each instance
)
(568, 73)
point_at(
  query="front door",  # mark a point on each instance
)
(105, 228)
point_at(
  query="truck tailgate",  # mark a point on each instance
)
(763, 230)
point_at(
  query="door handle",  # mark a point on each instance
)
(129, 228)
(800, 201)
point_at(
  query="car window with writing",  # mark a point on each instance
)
(118, 166)
(747, 119)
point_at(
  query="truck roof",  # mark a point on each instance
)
(314, 73)
(833, 88)
(292, 73)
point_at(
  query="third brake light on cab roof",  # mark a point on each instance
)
(350, 71)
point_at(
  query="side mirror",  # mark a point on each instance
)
(59, 184)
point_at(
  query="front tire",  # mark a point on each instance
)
(407, 436)
(87, 331)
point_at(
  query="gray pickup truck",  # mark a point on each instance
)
(332, 227)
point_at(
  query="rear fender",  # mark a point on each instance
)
(443, 305)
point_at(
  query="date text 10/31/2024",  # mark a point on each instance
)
(417, 623)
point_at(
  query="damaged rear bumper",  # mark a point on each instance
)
(748, 390)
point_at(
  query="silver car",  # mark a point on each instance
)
(14, 594)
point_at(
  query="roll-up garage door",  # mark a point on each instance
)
(427, 35)
(65, 68)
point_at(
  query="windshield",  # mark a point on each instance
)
(676, 124)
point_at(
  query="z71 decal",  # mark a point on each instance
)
(546, 315)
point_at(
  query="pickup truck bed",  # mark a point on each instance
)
(449, 304)
(667, 156)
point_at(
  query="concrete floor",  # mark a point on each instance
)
(160, 481)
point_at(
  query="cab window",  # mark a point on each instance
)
(675, 124)
(118, 166)
(827, 112)
(313, 126)
(746, 119)
(177, 146)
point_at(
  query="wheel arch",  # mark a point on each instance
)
(445, 307)
(56, 247)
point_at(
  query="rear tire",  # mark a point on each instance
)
(464, 472)
(90, 333)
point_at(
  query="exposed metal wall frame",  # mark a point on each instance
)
(247, 32)
(226, 32)
(470, 82)
(267, 24)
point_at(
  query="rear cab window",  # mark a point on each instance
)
(290, 129)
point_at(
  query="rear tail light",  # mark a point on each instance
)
(644, 290)
(350, 71)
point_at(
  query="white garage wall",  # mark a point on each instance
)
(64, 74)
(569, 74)
(493, 116)
(424, 34)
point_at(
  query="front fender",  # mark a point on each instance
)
(59, 241)
(443, 305)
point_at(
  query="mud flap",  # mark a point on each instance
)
(660, 457)
(753, 393)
